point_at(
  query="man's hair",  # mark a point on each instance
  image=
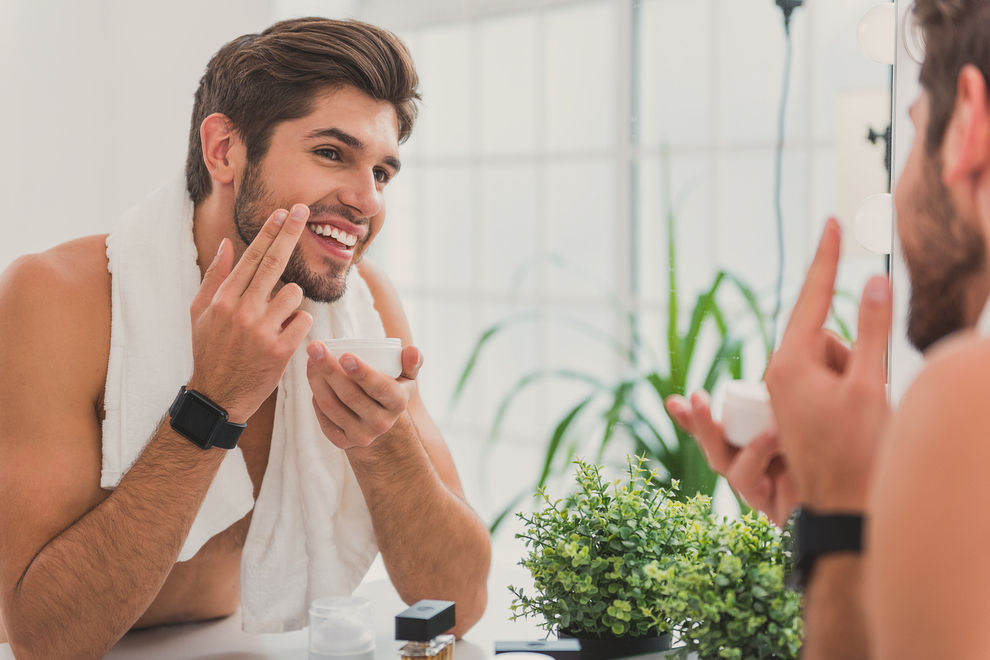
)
(261, 80)
(956, 33)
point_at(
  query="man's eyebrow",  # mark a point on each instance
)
(351, 142)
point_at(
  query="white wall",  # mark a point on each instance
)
(96, 96)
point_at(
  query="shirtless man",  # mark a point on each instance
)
(918, 473)
(308, 114)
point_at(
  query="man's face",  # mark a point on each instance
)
(337, 160)
(944, 251)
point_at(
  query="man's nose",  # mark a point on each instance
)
(360, 192)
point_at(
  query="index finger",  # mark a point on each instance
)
(709, 434)
(813, 304)
(265, 259)
(874, 330)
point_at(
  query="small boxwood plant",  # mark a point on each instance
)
(730, 595)
(627, 559)
(596, 557)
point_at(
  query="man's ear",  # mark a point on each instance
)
(966, 148)
(221, 147)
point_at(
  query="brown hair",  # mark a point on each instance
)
(956, 33)
(261, 80)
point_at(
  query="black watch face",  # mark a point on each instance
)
(196, 419)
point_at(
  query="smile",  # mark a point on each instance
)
(329, 231)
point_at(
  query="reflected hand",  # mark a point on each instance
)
(830, 403)
(355, 403)
(757, 472)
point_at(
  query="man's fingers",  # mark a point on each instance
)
(837, 352)
(243, 272)
(215, 274)
(412, 360)
(274, 261)
(284, 303)
(708, 433)
(813, 304)
(874, 330)
(680, 409)
(752, 463)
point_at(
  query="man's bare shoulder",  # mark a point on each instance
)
(931, 475)
(387, 302)
(949, 399)
(57, 304)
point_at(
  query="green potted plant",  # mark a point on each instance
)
(729, 592)
(623, 564)
(596, 558)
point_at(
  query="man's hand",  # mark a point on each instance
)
(355, 403)
(830, 405)
(243, 336)
(757, 472)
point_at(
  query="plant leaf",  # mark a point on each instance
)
(558, 434)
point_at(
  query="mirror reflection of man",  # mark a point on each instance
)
(918, 473)
(294, 139)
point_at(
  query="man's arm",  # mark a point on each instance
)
(76, 567)
(929, 532)
(79, 566)
(830, 419)
(433, 544)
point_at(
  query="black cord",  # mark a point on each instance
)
(778, 166)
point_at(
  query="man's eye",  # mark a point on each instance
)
(382, 176)
(329, 154)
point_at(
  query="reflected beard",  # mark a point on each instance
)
(954, 256)
(252, 207)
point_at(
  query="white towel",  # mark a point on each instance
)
(311, 533)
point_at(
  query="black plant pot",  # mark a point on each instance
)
(607, 648)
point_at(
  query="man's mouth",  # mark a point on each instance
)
(334, 235)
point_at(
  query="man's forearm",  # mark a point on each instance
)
(433, 544)
(87, 586)
(835, 625)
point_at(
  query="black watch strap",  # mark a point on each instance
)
(820, 534)
(204, 423)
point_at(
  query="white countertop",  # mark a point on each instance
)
(224, 640)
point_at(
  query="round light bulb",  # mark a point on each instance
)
(873, 223)
(877, 33)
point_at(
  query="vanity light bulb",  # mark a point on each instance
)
(873, 223)
(877, 33)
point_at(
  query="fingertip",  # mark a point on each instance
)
(299, 212)
(877, 290)
(279, 216)
(316, 351)
(349, 363)
(700, 399)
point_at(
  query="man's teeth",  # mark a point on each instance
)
(350, 240)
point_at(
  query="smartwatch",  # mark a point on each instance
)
(817, 535)
(203, 422)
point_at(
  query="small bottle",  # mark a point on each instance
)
(422, 627)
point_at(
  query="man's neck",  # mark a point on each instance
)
(213, 220)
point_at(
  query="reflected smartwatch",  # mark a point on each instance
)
(820, 534)
(203, 422)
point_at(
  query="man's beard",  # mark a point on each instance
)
(252, 206)
(951, 255)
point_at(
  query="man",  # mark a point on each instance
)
(294, 139)
(917, 472)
